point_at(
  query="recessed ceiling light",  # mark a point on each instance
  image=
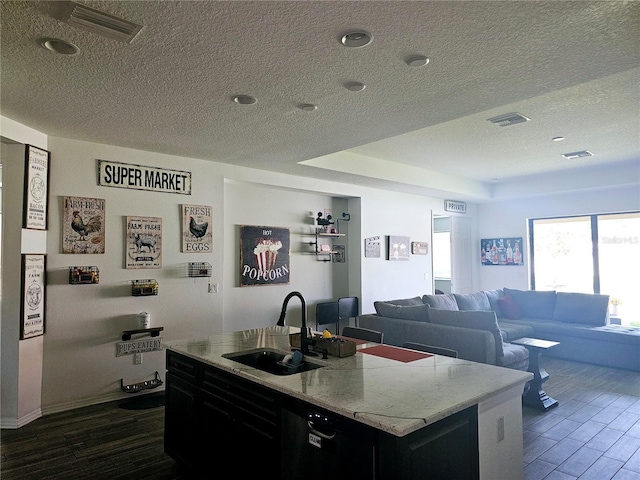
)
(307, 107)
(355, 86)
(59, 46)
(417, 61)
(557, 139)
(356, 39)
(245, 99)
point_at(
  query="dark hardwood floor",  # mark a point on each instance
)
(593, 434)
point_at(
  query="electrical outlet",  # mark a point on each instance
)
(137, 358)
(213, 288)
(500, 429)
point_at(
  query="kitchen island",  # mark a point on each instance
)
(376, 416)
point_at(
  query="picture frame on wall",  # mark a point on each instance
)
(501, 251)
(197, 229)
(398, 247)
(83, 225)
(36, 188)
(264, 255)
(33, 295)
(372, 247)
(143, 242)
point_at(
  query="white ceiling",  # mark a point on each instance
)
(573, 68)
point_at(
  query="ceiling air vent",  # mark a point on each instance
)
(101, 23)
(580, 154)
(508, 119)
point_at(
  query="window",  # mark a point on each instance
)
(590, 254)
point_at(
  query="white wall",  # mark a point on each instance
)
(510, 219)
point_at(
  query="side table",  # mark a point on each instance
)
(536, 396)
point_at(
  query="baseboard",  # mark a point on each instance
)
(15, 423)
(87, 402)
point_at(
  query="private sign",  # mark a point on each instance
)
(139, 177)
(138, 346)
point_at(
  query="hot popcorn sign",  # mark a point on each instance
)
(264, 256)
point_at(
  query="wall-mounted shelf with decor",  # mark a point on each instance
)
(143, 288)
(83, 275)
(153, 331)
(199, 269)
(324, 251)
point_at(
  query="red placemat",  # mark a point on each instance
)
(395, 353)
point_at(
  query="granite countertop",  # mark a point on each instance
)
(387, 394)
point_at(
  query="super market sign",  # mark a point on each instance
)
(139, 177)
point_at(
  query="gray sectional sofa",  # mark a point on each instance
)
(480, 326)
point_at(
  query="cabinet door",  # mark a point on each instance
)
(180, 421)
(445, 450)
(241, 417)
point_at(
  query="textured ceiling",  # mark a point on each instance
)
(572, 67)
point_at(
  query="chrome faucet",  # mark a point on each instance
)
(305, 341)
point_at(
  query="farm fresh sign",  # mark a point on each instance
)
(144, 242)
(139, 177)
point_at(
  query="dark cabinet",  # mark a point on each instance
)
(212, 416)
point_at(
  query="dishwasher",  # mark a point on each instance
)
(317, 444)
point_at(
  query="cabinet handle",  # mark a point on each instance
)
(321, 425)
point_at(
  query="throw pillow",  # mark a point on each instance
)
(472, 301)
(411, 312)
(509, 308)
(493, 296)
(405, 302)
(534, 303)
(587, 308)
(476, 319)
(445, 301)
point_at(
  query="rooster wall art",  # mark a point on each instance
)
(94, 224)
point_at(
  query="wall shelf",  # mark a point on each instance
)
(84, 275)
(143, 288)
(199, 269)
(153, 331)
(323, 251)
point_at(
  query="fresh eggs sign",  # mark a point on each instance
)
(139, 177)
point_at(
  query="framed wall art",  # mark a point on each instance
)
(36, 188)
(501, 251)
(398, 248)
(372, 247)
(264, 256)
(197, 229)
(419, 248)
(143, 242)
(33, 295)
(83, 225)
(339, 254)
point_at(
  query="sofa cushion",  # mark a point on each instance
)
(405, 302)
(476, 319)
(581, 308)
(515, 356)
(513, 331)
(493, 296)
(446, 301)
(472, 301)
(534, 303)
(409, 312)
(509, 308)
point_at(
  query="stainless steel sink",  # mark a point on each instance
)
(270, 361)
